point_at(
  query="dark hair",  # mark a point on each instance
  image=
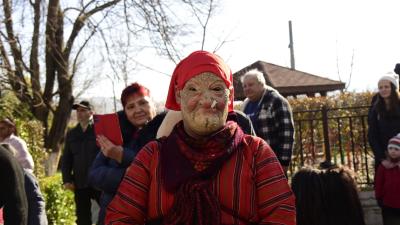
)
(341, 196)
(308, 189)
(394, 107)
(327, 197)
(133, 89)
(10, 123)
(397, 68)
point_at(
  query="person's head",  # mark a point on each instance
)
(253, 83)
(327, 197)
(388, 100)
(201, 88)
(388, 86)
(341, 197)
(84, 111)
(308, 188)
(394, 148)
(397, 69)
(138, 106)
(7, 127)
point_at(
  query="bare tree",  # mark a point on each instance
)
(41, 43)
(338, 68)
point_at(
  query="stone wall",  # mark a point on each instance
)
(372, 212)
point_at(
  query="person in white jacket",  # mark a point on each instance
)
(8, 135)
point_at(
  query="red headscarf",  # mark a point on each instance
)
(196, 63)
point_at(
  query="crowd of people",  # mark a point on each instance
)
(202, 162)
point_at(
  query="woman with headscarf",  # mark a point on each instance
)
(207, 171)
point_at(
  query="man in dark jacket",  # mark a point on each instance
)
(79, 152)
(12, 191)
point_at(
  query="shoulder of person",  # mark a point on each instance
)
(275, 93)
(16, 138)
(73, 132)
(255, 144)
(158, 119)
(153, 125)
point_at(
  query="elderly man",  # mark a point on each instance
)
(271, 115)
(79, 153)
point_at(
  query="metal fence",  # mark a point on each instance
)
(334, 136)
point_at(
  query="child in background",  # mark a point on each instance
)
(387, 183)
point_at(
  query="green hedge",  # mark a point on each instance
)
(60, 205)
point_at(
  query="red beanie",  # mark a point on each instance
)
(196, 63)
(394, 142)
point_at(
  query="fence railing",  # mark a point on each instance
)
(334, 136)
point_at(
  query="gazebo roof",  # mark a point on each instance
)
(287, 81)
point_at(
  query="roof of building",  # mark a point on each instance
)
(287, 81)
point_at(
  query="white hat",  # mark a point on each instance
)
(393, 78)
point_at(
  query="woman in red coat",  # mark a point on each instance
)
(207, 171)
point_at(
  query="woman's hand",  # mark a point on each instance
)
(109, 149)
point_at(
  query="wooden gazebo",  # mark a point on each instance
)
(287, 81)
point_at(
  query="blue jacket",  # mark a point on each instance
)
(106, 174)
(36, 205)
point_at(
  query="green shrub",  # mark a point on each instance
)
(32, 132)
(60, 205)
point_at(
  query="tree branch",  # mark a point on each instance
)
(80, 22)
(19, 83)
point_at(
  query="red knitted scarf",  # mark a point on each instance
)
(187, 167)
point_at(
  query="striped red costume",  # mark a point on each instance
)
(251, 188)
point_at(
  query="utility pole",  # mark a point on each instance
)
(292, 63)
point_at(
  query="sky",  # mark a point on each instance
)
(328, 37)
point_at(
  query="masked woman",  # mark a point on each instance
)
(207, 171)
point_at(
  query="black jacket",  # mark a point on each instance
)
(79, 153)
(12, 190)
(380, 130)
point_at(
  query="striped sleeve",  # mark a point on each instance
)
(275, 199)
(129, 205)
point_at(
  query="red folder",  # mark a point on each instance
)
(108, 125)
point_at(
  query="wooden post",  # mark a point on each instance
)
(327, 163)
(292, 63)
